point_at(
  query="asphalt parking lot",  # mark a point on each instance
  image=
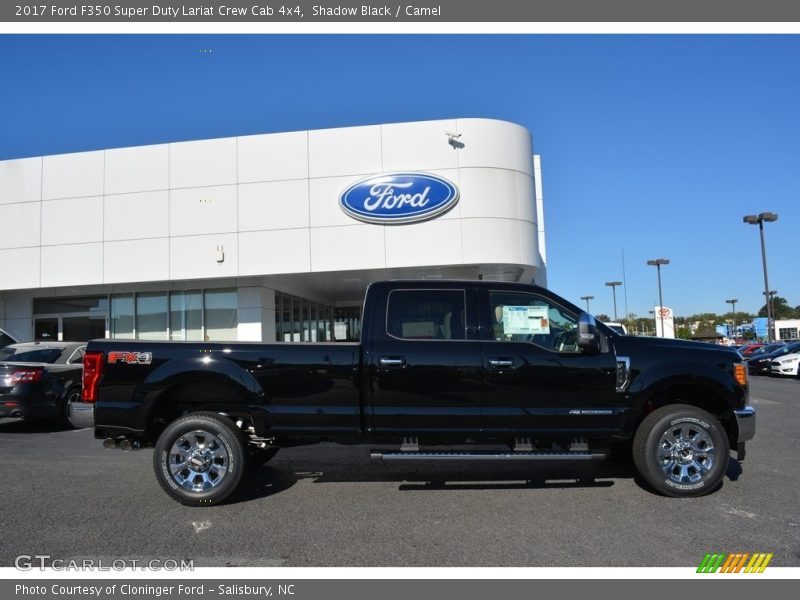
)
(327, 505)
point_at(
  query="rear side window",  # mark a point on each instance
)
(45, 355)
(426, 314)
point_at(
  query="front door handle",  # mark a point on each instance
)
(501, 363)
(392, 362)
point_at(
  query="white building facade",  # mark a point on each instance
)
(246, 238)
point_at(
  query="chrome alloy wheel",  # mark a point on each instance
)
(685, 453)
(198, 461)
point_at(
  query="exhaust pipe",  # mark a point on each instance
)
(128, 445)
(122, 443)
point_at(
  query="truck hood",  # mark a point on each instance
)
(629, 343)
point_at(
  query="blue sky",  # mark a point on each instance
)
(655, 144)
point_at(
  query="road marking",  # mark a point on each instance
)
(201, 526)
(738, 513)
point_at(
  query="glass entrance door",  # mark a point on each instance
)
(71, 328)
(46, 329)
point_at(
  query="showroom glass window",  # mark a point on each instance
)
(221, 315)
(186, 315)
(151, 316)
(122, 316)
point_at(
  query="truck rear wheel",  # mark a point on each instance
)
(681, 450)
(199, 459)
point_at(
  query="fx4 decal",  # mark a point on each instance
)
(130, 358)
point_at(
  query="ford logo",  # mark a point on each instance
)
(395, 198)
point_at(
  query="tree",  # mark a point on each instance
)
(603, 317)
(780, 309)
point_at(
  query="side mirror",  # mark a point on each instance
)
(588, 337)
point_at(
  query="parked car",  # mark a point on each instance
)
(511, 371)
(761, 364)
(38, 380)
(786, 365)
(747, 350)
(6, 339)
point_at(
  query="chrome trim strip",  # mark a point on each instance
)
(624, 359)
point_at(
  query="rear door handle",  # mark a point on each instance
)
(392, 362)
(501, 363)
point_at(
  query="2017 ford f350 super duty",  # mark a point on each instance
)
(508, 371)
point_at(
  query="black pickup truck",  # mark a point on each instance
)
(487, 370)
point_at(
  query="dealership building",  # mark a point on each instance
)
(262, 237)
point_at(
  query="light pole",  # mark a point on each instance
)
(657, 264)
(759, 220)
(613, 285)
(733, 301)
(770, 311)
(587, 298)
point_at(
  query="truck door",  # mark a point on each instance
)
(424, 363)
(536, 378)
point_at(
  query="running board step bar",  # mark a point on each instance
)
(374, 454)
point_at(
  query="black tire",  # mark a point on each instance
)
(212, 449)
(260, 456)
(681, 451)
(72, 395)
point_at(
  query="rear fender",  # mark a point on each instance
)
(199, 383)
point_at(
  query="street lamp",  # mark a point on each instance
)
(613, 285)
(733, 301)
(657, 264)
(587, 298)
(759, 220)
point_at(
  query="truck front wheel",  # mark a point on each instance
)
(681, 451)
(199, 459)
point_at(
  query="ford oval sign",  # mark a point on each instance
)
(395, 198)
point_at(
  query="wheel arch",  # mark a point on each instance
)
(205, 392)
(698, 394)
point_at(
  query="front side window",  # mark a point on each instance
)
(523, 317)
(426, 314)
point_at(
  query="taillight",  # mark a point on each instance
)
(26, 375)
(92, 370)
(740, 372)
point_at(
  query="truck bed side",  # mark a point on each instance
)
(290, 389)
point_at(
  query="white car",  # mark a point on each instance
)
(786, 365)
(618, 327)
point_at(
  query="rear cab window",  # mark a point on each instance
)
(426, 314)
